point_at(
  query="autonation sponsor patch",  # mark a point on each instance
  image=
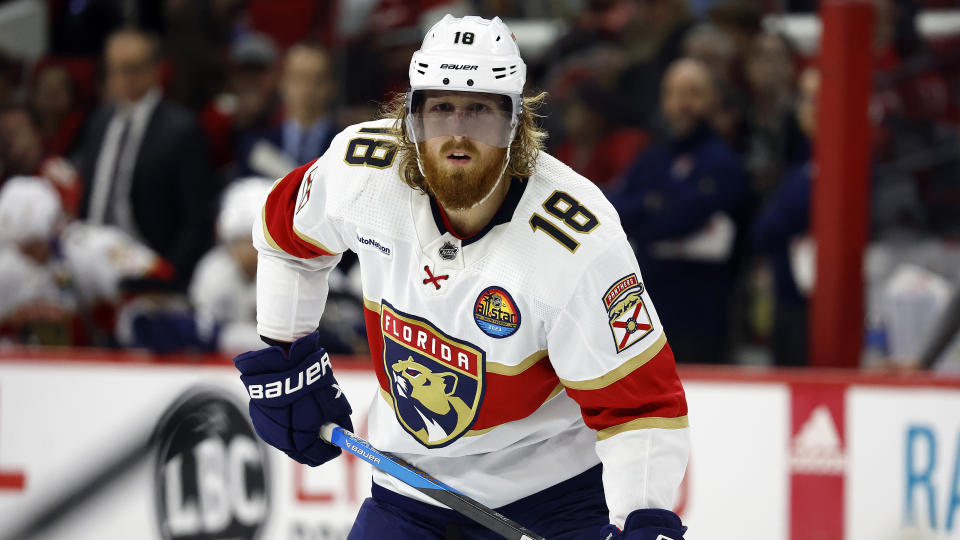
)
(375, 245)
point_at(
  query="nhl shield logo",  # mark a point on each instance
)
(448, 251)
(629, 320)
(436, 381)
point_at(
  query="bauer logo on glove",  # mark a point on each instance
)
(278, 388)
(292, 394)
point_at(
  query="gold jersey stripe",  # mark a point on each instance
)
(503, 369)
(311, 241)
(475, 432)
(371, 305)
(644, 423)
(266, 232)
(620, 372)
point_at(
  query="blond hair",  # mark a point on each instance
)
(526, 145)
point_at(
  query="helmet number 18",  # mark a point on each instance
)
(467, 38)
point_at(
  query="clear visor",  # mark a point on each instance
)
(483, 117)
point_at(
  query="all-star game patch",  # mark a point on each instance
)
(629, 319)
(496, 313)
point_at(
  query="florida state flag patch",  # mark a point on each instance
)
(629, 319)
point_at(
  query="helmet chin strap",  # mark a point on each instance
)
(496, 184)
(419, 160)
(506, 161)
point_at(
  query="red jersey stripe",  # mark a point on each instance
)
(278, 215)
(513, 397)
(653, 390)
(371, 317)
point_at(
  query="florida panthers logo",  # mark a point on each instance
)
(436, 381)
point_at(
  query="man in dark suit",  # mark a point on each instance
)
(308, 90)
(145, 160)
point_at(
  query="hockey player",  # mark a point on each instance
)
(519, 356)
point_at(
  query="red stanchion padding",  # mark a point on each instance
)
(840, 191)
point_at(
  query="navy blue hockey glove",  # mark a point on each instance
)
(647, 524)
(292, 395)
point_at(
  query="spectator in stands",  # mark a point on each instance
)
(249, 105)
(22, 154)
(652, 41)
(53, 102)
(598, 23)
(741, 20)
(9, 78)
(774, 141)
(195, 38)
(21, 149)
(145, 160)
(716, 49)
(595, 145)
(777, 232)
(681, 204)
(308, 92)
(253, 84)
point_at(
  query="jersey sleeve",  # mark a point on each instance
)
(609, 350)
(299, 241)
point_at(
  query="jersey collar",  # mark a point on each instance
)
(503, 215)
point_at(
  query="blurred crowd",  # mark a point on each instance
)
(135, 153)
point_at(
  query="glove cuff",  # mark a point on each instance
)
(647, 524)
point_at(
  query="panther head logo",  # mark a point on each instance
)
(437, 412)
(621, 307)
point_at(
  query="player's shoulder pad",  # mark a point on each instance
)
(570, 224)
(369, 144)
(357, 155)
(335, 188)
(575, 205)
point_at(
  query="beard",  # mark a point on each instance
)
(464, 186)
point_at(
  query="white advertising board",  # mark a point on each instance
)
(903, 467)
(79, 434)
(737, 473)
(114, 450)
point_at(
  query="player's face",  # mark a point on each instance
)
(460, 170)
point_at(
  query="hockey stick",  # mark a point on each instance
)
(426, 484)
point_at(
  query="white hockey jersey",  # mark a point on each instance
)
(508, 361)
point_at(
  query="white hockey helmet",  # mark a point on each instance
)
(468, 54)
(240, 208)
(30, 210)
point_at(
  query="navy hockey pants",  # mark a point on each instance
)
(574, 509)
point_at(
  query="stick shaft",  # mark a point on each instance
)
(426, 484)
